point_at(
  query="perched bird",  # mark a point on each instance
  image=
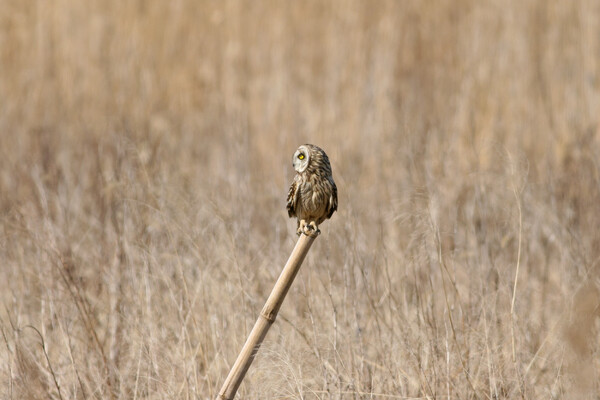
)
(313, 195)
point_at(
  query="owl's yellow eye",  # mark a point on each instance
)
(301, 156)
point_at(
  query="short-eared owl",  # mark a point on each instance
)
(313, 195)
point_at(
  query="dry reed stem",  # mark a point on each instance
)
(266, 318)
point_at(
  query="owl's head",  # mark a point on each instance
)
(301, 158)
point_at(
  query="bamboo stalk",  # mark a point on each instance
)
(266, 319)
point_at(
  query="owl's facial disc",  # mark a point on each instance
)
(300, 159)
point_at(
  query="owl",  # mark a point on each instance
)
(313, 195)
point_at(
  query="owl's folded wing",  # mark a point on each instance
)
(333, 200)
(292, 198)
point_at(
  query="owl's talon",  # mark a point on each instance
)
(301, 227)
(311, 229)
(313, 234)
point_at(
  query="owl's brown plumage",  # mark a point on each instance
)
(313, 195)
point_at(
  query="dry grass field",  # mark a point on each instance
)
(145, 157)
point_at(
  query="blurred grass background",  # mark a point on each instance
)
(145, 154)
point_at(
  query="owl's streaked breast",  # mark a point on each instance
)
(312, 202)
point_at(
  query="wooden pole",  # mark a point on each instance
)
(266, 319)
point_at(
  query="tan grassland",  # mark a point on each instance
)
(145, 157)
